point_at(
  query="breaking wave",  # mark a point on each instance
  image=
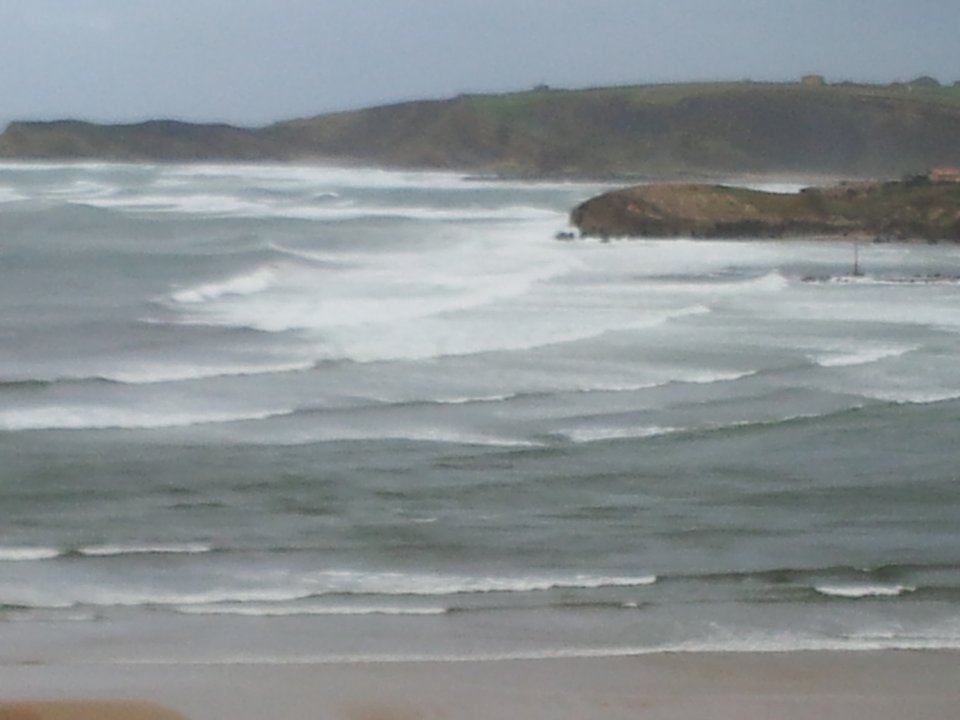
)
(100, 418)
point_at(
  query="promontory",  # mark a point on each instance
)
(687, 130)
(918, 208)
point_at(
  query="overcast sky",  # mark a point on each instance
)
(255, 61)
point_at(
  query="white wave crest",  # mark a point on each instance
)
(93, 596)
(8, 195)
(147, 375)
(26, 554)
(306, 593)
(863, 356)
(389, 583)
(157, 549)
(708, 377)
(854, 592)
(244, 284)
(292, 610)
(100, 418)
(453, 437)
(908, 396)
(588, 435)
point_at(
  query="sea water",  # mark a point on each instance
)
(305, 413)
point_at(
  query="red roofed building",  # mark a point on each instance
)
(944, 174)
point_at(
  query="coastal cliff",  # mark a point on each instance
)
(915, 209)
(647, 131)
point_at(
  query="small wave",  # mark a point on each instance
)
(414, 584)
(470, 399)
(902, 396)
(702, 377)
(934, 279)
(92, 596)
(863, 356)
(85, 418)
(156, 374)
(312, 593)
(315, 257)
(326, 432)
(588, 435)
(27, 554)
(708, 377)
(244, 284)
(8, 195)
(773, 281)
(282, 610)
(172, 373)
(752, 645)
(158, 549)
(39, 383)
(853, 591)
(458, 438)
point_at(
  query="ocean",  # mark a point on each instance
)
(288, 414)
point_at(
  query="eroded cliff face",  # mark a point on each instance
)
(909, 210)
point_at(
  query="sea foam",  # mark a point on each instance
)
(855, 591)
(248, 283)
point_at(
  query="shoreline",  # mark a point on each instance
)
(852, 685)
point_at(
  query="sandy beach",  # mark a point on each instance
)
(683, 686)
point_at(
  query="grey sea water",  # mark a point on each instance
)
(295, 413)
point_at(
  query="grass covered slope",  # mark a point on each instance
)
(154, 140)
(652, 130)
(909, 210)
(662, 130)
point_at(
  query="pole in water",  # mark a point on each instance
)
(856, 259)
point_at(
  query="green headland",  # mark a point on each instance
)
(696, 130)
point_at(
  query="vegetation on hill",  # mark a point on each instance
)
(646, 131)
(913, 209)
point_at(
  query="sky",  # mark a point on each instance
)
(252, 62)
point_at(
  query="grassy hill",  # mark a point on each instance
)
(653, 130)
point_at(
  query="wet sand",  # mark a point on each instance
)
(884, 685)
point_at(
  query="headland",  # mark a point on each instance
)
(922, 208)
(640, 132)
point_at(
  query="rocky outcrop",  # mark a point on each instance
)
(915, 209)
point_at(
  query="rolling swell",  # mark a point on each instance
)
(315, 393)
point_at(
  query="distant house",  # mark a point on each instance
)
(944, 174)
(813, 81)
(926, 82)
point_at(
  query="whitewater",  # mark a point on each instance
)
(271, 413)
